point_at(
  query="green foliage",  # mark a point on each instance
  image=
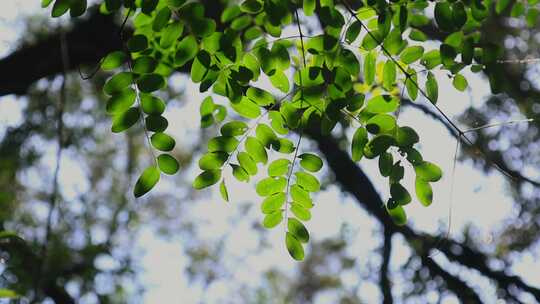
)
(227, 57)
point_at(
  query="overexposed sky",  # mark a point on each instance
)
(163, 260)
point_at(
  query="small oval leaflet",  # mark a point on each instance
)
(310, 162)
(162, 142)
(207, 179)
(213, 160)
(307, 181)
(273, 219)
(125, 120)
(294, 247)
(146, 181)
(279, 167)
(428, 171)
(113, 60)
(424, 193)
(168, 164)
(298, 229)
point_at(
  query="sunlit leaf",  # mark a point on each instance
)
(207, 179)
(168, 164)
(146, 181)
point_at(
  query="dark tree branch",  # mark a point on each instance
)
(463, 291)
(386, 286)
(88, 41)
(353, 180)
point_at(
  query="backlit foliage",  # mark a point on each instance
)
(366, 57)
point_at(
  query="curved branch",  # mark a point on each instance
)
(386, 287)
(353, 180)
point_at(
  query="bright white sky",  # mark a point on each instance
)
(478, 199)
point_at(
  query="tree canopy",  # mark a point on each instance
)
(278, 74)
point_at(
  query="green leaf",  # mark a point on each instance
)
(118, 83)
(386, 162)
(309, 7)
(381, 123)
(411, 83)
(310, 162)
(400, 194)
(120, 102)
(234, 128)
(246, 108)
(382, 104)
(283, 145)
(156, 123)
(301, 212)
(377, 145)
(168, 164)
(137, 43)
(187, 50)
(123, 121)
(279, 167)
(60, 7)
(296, 228)
(411, 54)
(230, 13)
(273, 219)
(223, 143)
(8, 294)
(273, 202)
(223, 191)
(260, 96)
(113, 60)
(45, 3)
(291, 114)
(280, 81)
(359, 141)
(294, 247)
(148, 6)
(406, 137)
(239, 173)
(144, 65)
(460, 82)
(146, 181)
(431, 59)
(247, 163)
(207, 179)
(212, 160)
(77, 8)
(150, 82)
(424, 193)
(432, 88)
(151, 105)
(203, 27)
(389, 74)
(501, 5)
(161, 19)
(369, 67)
(256, 149)
(278, 122)
(353, 31)
(162, 142)
(443, 16)
(428, 172)
(251, 6)
(265, 134)
(398, 215)
(459, 14)
(307, 181)
(200, 66)
(170, 34)
(301, 196)
(270, 185)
